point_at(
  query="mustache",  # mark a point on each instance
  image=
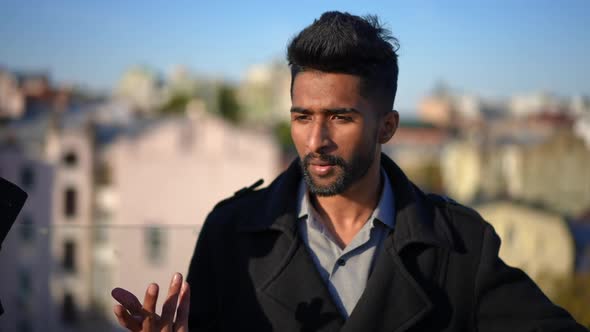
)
(325, 158)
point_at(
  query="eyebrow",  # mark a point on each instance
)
(331, 111)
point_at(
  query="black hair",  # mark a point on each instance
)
(344, 43)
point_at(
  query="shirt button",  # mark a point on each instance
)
(341, 262)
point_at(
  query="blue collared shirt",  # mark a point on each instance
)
(347, 270)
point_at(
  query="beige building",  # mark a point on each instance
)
(444, 109)
(437, 109)
(537, 241)
(12, 98)
(552, 171)
(462, 168)
(416, 148)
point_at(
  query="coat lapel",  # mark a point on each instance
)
(392, 301)
(297, 286)
(291, 280)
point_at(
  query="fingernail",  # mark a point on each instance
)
(153, 289)
(176, 278)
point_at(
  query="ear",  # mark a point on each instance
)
(389, 124)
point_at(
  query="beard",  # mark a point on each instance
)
(346, 173)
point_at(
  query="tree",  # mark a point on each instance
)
(176, 104)
(229, 107)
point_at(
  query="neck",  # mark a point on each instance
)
(345, 214)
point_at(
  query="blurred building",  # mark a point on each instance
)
(529, 104)
(163, 179)
(581, 127)
(141, 87)
(265, 93)
(26, 253)
(416, 147)
(121, 204)
(534, 240)
(28, 94)
(437, 109)
(63, 226)
(12, 100)
(552, 171)
(446, 109)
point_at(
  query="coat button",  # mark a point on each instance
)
(341, 262)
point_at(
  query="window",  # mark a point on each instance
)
(70, 202)
(27, 229)
(70, 159)
(103, 174)
(102, 217)
(69, 262)
(101, 234)
(68, 314)
(25, 283)
(27, 177)
(154, 241)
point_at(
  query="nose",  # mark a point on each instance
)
(319, 138)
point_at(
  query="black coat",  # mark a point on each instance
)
(437, 271)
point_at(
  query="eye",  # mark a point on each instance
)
(300, 117)
(342, 118)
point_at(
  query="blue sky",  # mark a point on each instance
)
(492, 48)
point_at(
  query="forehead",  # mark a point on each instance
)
(320, 90)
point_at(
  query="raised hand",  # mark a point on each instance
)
(137, 317)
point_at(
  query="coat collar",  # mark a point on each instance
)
(414, 214)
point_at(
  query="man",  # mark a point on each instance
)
(342, 240)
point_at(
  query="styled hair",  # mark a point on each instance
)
(343, 43)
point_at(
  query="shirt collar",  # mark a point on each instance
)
(384, 212)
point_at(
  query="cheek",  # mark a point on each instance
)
(349, 139)
(298, 137)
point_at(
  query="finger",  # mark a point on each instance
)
(151, 297)
(127, 299)
(169, 307)
(181, 324)
(150, 323)
(125, 318)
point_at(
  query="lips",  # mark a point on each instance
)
(321, 168)
(322, 165)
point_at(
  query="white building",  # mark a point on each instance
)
(25, 257)
(165, 180)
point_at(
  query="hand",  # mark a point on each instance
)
(135, 317)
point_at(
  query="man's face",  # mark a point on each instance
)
(335, 130)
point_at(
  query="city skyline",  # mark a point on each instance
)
(493, 49)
